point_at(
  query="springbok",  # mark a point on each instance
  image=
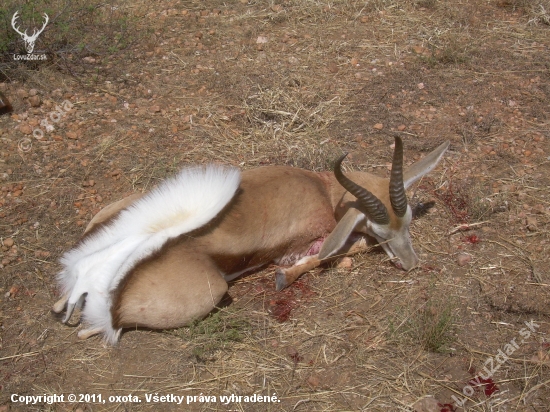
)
(163, 259)
(29, 40)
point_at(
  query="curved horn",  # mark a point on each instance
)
(398, 197)
(373, 206)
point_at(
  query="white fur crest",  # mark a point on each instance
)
(177, 206)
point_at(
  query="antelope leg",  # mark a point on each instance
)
(60, 305)
(87, 333)
(285, 276)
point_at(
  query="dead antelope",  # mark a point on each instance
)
(163, 259)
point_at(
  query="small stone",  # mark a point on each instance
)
(8, 242)
(33, 92)
(72, 135)
(345, 263)
(35, 101)
(428, 404)
(333, 67)
(25, 129)
(22, 93)
(462, 259)
(293, 60)
(155, 108)
(261, 40)
(378, 126)
(532, 223)
(421, 86)
(401, 127)
(313, 381)
(89, 59)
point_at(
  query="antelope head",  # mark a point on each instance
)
(29, 40)
(386, 220)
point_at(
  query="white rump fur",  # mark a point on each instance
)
(177, 206)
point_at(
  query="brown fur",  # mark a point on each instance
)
(183, 281)
(278, 214)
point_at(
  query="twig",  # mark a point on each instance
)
(465, 227)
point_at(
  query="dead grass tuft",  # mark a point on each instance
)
(539, 13)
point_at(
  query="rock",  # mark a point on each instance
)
(313, 381)
(25, 129)
(33, 92)
(22, 93)
(532, 223)
(35, 101)
(462, 259)
(378, 126)
(8, 242)
(345, 263)
(427, 405)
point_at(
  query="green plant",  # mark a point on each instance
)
(431, 325)
(215, 332)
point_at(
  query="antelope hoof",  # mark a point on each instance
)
(87, 333)
(280, 280)
(61, 304)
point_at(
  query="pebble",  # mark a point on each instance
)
(462, 259)
(428, 404)
(378, 126)
(25, 129)
(35, 101)
(8, 242)
(531, 223)
(345, 263)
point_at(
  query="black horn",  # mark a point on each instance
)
(398, 197)
(374, 208)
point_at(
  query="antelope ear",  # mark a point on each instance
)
(424, 166)
(338, 237)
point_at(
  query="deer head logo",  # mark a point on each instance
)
(29, 40)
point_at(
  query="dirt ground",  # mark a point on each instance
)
(297, 83)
